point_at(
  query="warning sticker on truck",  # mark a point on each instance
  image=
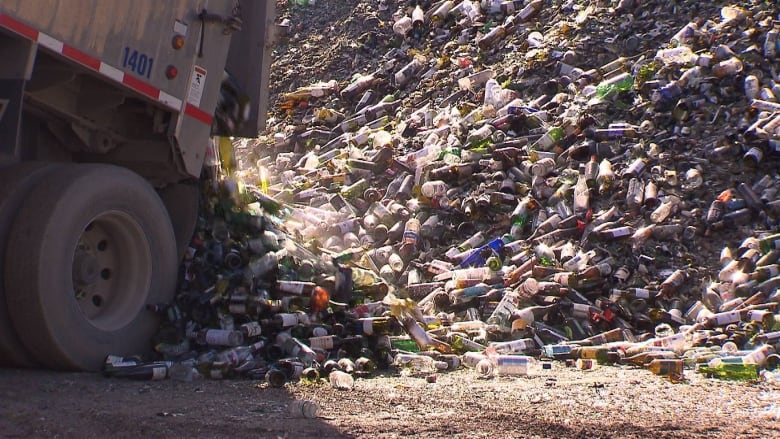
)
(197, 83)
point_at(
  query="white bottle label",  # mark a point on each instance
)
(159, 373)
(124, 364)
(437, 267)
(114, 360)
(758, 356)
(514, 346)
(288, 319)
(217, 337)
(672, 341)
(292, 287)
(641, 293)
(253, 329)
(325, 342)
(757, 315)
(580, 311)
(346, 226)
(620, 231)
(562, 278)
(726, 318)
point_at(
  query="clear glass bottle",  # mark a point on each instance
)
(501, 315)
(508, 365)
(519, 346)
(418, 363)
(423, 339)
(606, 176)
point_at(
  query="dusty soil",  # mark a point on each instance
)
(608, 402)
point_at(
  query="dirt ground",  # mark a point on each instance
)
(608, 402)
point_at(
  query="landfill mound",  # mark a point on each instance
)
(493, 184)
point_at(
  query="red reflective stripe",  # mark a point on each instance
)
(198, 114)
(18, 27)
(81, 57)
(94, 63)
(140, 86)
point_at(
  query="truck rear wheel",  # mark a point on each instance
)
(91, 246)
(15, 183)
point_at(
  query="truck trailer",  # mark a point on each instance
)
(107, 111)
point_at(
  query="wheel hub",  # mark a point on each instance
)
(110, 267)
(86, 269)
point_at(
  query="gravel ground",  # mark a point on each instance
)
(607, 402)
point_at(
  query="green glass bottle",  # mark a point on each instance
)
(404, 343)
(621, 82)
(769, 243)
(717, 368)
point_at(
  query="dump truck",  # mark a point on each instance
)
(107, 112)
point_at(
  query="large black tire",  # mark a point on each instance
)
(15, 183)
(91, 246)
